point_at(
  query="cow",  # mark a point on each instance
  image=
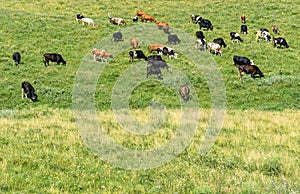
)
(199, 34)
(244, 29)
(152, 70)
(88, 21)
(167, 51)
(134, 43)
(184, 92)
(239, 60)
(195, 18)
(204, 23)
(104, 55)
(78, 17)
(159, 64)
(146, 18)
(235, 37)
(140, 13)
(154, 57)
(243, 18)
(135, 19)
(117, 21)
(117, 36)
(17, 58)
(53, 57)
(249, 69)
(214, 47)
(220, 41)
(173, 39)
(281, 42)
(164, 26)
(275, 29)
(28, 91)
(154, 47)
(200, 44)
(263, 34)
(136, 54)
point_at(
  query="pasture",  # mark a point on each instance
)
(43, 151)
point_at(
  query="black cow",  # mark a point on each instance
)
(117, 36)
(195, 18)
(239, 60)
(78, 17)
(135, 18)
(28, 91)
(154, 57)
(138, 54)
(159, 64)
(204, 23)
(17, 58)
(235, 36)
(220, 41)
(153, 70)
(244, 29)
(173, 39)
(280, 41)
(184, 92)
(250, 69)
(200, 35)
(53, 57)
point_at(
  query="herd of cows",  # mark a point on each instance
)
(155, 62)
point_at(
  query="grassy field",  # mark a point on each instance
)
(42, 150)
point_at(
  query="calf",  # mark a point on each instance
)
(220, 41)
(204, 23)
(53, 57)
(28, 91)
(17, 58)
(146, 18)
(244, 29)
(239, 60)
(200, 44)
(275, 29)
(184, 92)
(195, 18)
(87, 21)
(136, 54)
(134, 43)
(117, 36)
(117, 21)
(104, 55)
(152, 70)
(249, 69)
(159, 64)
(281, 42)
(78, 17)
(199, 35)
(235, 37)
(243, 18)
(173, 39)
(214, 47)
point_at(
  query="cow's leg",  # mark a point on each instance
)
(22, 93)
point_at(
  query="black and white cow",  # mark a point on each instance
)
(239, 60)
(17, 58)
(235, 37)
(153, 70)
(135, 19)
(117, 36)
(173, 39)
(200, 44)
(263, 33)
(204, 23)
(79, 17)
(281, 42)
(220, 41)
(137, 54)
(159, 64)
(170, 52)
(28, 91)
(199, 35)
(195, 18)
(244, 29)
(53, 57)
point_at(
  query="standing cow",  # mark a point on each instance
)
(184, 92)
(53, 57)
(28, 91)
(281, 42)
(17, 58)
(136, 54)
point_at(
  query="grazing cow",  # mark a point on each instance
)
(154, 57)
(104, 55)
(263, 34)
(220, 41)
(249, 69)
(17, 58)
(136, 54)
(200, 44)
(87, 21)
(275, 29)
(235, 36)
(214, 47)
(117, 36)
(243, 18)
(164, 26)
(264, 29)
(244, 29)
(117, 21)
(152, 70)
(154, 47)
(78, 17)
(140, 13)
(239, 60)
(173, 39)
(159, 64)
(135, 19)
(280, 41)
(134, 43)
(167, 51)
(28, 91)
(146, 18)
(53, 57)
(204, 23)
(195, 18)
(184, 92)
(199, 35)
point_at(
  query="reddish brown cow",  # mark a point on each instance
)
(140, 13)
(243, 18)
(146, 17)
(154, 47)
(134, 43)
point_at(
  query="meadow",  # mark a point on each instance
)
(42, 149)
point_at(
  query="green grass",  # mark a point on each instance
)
(41, 149)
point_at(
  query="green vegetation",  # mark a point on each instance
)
(41, 150)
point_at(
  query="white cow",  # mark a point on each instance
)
(214, 47)
(87, 21)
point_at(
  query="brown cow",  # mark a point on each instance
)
(243, 18)
(140, 13)
(275, 29)
(146, 17)
(117, 21)
(134, 43)
(164, 26)
(249, 69)
(102, 54)
(155, 47)
(184, 92)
